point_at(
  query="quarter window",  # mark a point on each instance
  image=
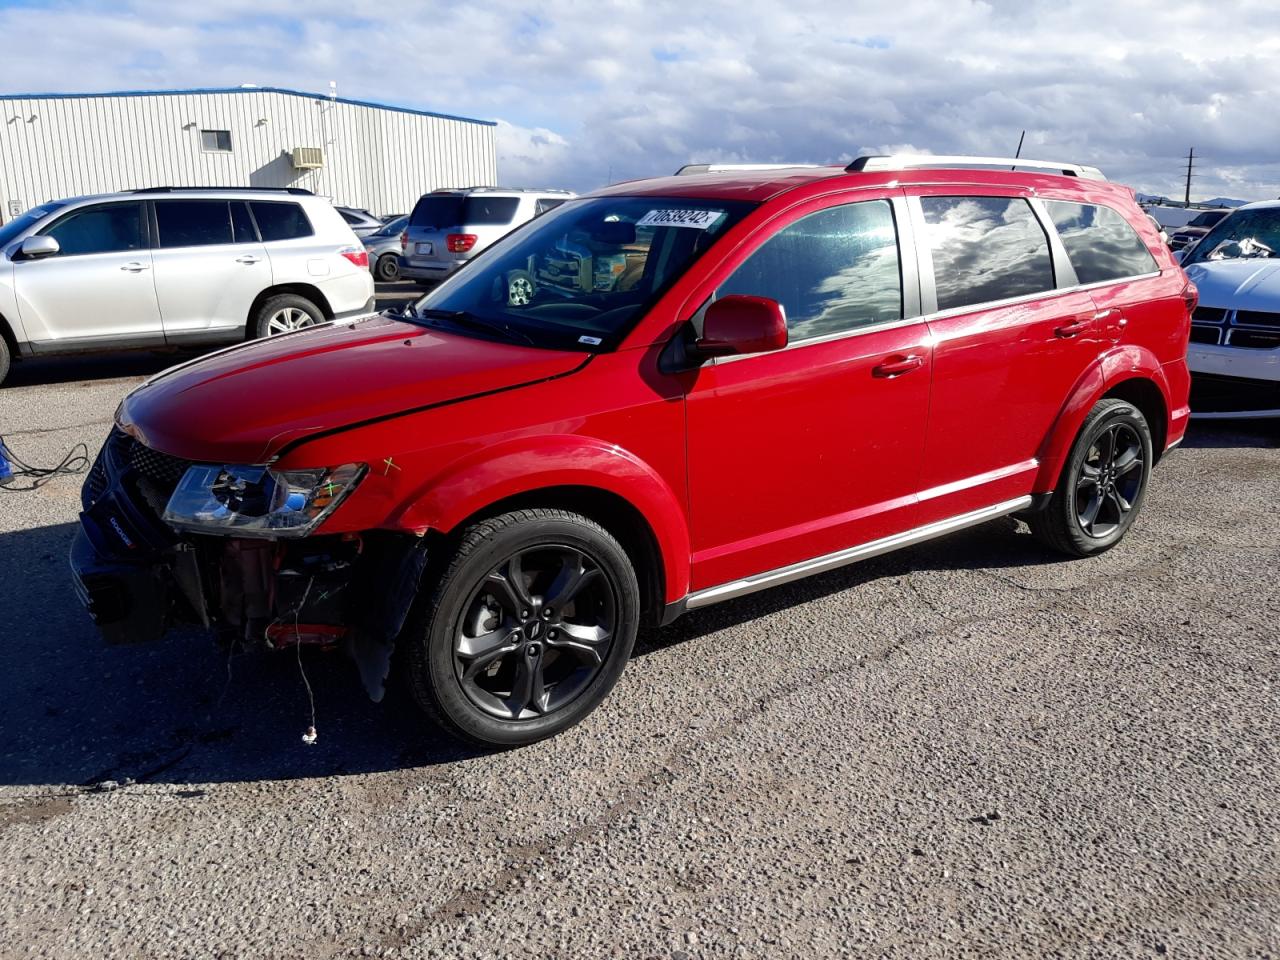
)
(834, 270)
(280, 221)
(985, 249)
(1100, 243)
(108, 229)
(193, 223)
(215, 141)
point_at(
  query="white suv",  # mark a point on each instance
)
(175, 267)
(449, 227)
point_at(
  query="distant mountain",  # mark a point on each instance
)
(1215, 202)
(1224, 202)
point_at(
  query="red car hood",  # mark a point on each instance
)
(244, 404)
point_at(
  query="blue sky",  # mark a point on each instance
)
(588, 90)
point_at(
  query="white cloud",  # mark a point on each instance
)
(626, 89)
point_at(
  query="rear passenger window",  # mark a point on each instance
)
(985, 249)
(545, 204)
(1100, 243)
(280, 221)
(832, 271)
(193, 223)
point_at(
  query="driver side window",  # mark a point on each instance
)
(832, 271)
(111, 228)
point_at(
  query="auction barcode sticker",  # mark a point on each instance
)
(697, 219)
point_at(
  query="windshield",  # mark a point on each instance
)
(580, 275)
(1261, 225)
(1208, 218)
(392, 227)
(15, 227)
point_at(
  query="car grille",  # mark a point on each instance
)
(1216, 394)
(162, 471)
(160, 468)
(1246, 329)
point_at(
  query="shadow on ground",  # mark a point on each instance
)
(74, 711)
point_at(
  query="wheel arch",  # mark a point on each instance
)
(1128, 373)
(10, 338)
(307, 290)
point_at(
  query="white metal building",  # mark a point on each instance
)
(357, 154)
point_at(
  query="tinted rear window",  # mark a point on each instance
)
(985, 249)
(444, 210)
(280, 221)
(1100, 243)
(193, 223)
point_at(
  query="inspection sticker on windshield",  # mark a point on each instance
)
(697, 219)
(592, 341)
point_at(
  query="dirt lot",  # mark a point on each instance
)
(969, 748)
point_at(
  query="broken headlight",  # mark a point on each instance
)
(247, 501)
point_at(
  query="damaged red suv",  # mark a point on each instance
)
(653, 398)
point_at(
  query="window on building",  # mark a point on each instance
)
(832, 271)
(193, 223)
(985, 249)
(215, 141)
(280, 221)
(111, 228)
(1100, 243)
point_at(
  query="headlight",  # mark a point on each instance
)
(248, 501)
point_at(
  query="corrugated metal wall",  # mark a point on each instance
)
(379, 159)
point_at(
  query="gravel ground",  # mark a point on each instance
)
(970, 748)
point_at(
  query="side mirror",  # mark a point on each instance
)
(740, 324)
(33, 248)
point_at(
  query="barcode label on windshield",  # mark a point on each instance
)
(697, 219)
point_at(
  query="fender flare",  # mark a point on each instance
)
(1128, 362)
(529, 464)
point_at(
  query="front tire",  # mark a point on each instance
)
(4, 359)
(529, 628)
(1103, 483)
(285, 313)
(388, 268)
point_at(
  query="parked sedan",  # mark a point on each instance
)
(384, 249)
(1234, 354)
(362, 222)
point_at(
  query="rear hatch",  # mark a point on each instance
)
(437, 215)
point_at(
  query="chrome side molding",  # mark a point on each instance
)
(807, 568)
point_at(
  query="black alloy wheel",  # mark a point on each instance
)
(536, 632)
(1111, 477)
(525, 629)
(1103, 482)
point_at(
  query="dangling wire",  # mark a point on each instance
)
(310, 736)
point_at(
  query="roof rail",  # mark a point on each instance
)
(478, 189)
(692, 168)
(903, 161)
(294, 190)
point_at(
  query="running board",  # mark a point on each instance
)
(807, 568)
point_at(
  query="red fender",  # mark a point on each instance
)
(533, 463)
(1126, 362)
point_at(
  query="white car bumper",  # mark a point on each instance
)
(1233, 382)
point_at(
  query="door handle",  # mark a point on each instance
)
(1069, 330)
(897, 366)
(135, 267)
(250, 259)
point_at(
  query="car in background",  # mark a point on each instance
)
(361, 222)
(1202, 223)
(1234, 354)
(388, 217)
(384, 249)
(449, 227)
(175, 267)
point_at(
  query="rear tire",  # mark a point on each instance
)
(284, 313)
(1103, 483)
(527, 630)
(388, 268)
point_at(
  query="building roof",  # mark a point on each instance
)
(249, 89)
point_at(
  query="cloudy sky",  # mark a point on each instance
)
(585, 92)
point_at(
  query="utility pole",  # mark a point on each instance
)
(1191, 157)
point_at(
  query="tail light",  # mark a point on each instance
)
(460, 242)
(404, 240)
(357, 255)
(1191, 297)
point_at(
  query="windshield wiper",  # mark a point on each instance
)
(463, 319)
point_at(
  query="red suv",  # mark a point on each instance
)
(653, 398)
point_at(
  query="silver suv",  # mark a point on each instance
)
(174, 267)
(449, 227)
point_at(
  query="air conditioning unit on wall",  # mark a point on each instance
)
(308, 158)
